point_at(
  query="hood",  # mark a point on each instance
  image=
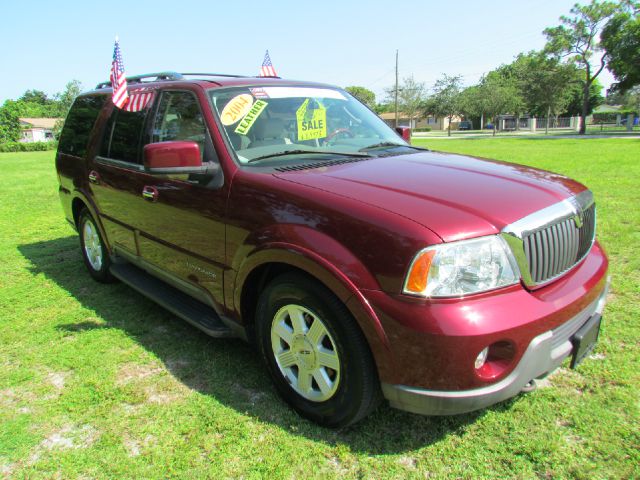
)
(455, 196)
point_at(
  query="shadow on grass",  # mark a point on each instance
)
(227, 370)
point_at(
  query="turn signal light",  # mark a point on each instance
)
(419, 272)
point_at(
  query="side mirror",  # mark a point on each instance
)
(175, 157)
(405, 133)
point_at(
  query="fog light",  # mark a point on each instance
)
(481, 358)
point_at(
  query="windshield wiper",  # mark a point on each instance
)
(302, 151)
(388, 144)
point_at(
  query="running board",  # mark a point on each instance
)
(193, 311)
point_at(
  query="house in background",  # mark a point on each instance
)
(421, 121)
(37, 129)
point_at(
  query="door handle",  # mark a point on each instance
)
(150, 193)
(94, 177)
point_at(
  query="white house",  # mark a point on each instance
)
(37, 129)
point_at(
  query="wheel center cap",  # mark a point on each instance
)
(304, 352)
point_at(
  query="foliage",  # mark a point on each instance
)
(422, 129)
(9, 126)
(363, 94)
(494, 95)
(576, 40)
(445, 101)
(36, 104)
(544, 82)
(27, 146)
(621, 39)
(411, 96)
(575, 101)
(98, 382)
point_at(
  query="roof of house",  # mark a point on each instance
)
(608, 108)
(39, 122)
(392, 115)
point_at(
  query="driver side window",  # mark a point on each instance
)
(179, 117)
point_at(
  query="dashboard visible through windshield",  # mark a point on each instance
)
(284, 122)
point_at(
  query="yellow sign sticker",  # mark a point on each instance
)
(312, 122)
(251, 117)
(237, 108)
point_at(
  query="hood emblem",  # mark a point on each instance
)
(579, 221)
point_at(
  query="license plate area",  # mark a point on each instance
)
(584, 340)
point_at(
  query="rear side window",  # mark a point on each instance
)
(123, 135)
(78, 125)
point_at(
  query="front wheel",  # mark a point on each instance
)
(94, 252)
(315, 352)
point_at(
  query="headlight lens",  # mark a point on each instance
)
(460, 268)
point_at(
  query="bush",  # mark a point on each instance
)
(27, 147)
(422, 129)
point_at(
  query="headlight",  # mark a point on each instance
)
(460, 268)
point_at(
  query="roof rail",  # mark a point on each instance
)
(213, 75)
(138, 78)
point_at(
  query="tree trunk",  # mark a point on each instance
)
(495, 126)
(585, 108)
(546, 128)
(449, 128)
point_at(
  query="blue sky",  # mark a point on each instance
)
(47, 43)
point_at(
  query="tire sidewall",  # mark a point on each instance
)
(103, 273)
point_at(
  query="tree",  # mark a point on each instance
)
(365, 95)
(492, 97)
(411, 96)
(576, 39)
(64, 101)
(575, 100)
(35, 96)
(9, 125)
(621, 40)
(445, 101)
(544, 83)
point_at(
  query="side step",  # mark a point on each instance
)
(177, 302)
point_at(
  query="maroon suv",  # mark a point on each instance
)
(290, 215)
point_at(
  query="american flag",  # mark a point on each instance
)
(118, 80)
(267, 69)
(138, 101)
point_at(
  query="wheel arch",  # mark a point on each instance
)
(277, 258)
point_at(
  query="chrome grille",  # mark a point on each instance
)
(554, 249)
(551, 241)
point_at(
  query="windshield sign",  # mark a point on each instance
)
(285, 122)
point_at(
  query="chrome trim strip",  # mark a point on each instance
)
(119, 163)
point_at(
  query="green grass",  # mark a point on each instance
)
(98, 382)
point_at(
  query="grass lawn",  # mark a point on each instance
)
(98, 382)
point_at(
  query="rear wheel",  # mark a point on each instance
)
(94, 252)
(315, 352)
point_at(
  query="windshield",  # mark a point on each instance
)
(283, 122)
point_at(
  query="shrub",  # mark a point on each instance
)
(422, 129)
(27, 147)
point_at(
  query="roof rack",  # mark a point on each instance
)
(214, 75)
(166, 76)
(138, 78)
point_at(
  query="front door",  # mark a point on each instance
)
(173, 224)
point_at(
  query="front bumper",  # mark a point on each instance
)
(545, 353)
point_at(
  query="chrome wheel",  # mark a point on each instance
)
(305, 353)
(92, 245)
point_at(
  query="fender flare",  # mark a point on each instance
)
(331, 277)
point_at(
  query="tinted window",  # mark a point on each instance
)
(179, 118)
(79, 123)
(123, 135)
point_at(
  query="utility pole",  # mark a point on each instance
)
(396, 88)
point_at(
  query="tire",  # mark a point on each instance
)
(94, 251)
(324, 370)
